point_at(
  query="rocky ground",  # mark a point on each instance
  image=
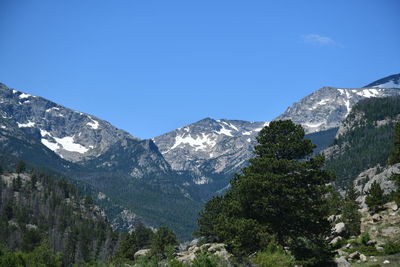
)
(370, 250)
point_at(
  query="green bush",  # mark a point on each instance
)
(364, 238)
(391, 248)
(147, 262)
(203, 259)
(274, 256)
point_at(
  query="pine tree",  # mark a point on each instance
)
(395, 155)
(162, 239)
(21, 166)
(396, 195)
(280, 195)
(375, 198)
(350, 214)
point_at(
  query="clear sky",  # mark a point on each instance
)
(149, 67)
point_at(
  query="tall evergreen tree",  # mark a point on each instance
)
(375, 198)
(350, 214)
(163, 238)
(20, 167)
(280, 196)
(395, 155)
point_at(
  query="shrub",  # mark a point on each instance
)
(391, 247)
(204, 259)
(273, 256)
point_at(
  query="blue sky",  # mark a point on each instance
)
(149, 67)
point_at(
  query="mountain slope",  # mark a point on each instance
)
(392, 81)
(327, 107)
(209, 151)
(364, 139)
(131, 172)
(37, 209)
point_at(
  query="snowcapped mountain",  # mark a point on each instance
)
(210, 149)
(131, 172)
(72, 135)
(326, 108)
(392, 81)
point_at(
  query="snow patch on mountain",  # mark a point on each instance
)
(26, 125)
(52, 146)
(390, 84)
(93, 124)
(23, 95)
(392, 81)
(66, 143)
(224, 131)
(69, 144)
(201, 142)
(51, 109)
(368, 93)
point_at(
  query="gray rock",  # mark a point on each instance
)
(335, 240)
(141, 253)
(391, 231)
(394, 207)
(376, 217)
(381, 175)
(339, 228)
(355, 255)
(363, 258)
(342, 262)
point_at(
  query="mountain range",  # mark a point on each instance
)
(163, 180)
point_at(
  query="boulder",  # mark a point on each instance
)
(216, 247)
(141, 253)
(376, 217)
(391, 231)
(185, 257)
(335, 240)
(394, 207)
(371, 242)
(339, 228)
(355, 255)
(386, 262)
(342, 262)
(363, 258)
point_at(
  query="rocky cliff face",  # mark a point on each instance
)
(209, 146)
(377, 174)
(78, 137)
(73, 135)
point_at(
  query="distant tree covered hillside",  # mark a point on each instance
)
(365, 138)
(38, 212)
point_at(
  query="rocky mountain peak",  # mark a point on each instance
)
(392, 81)
(209, 147)
(327, 107)
(73, 135)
